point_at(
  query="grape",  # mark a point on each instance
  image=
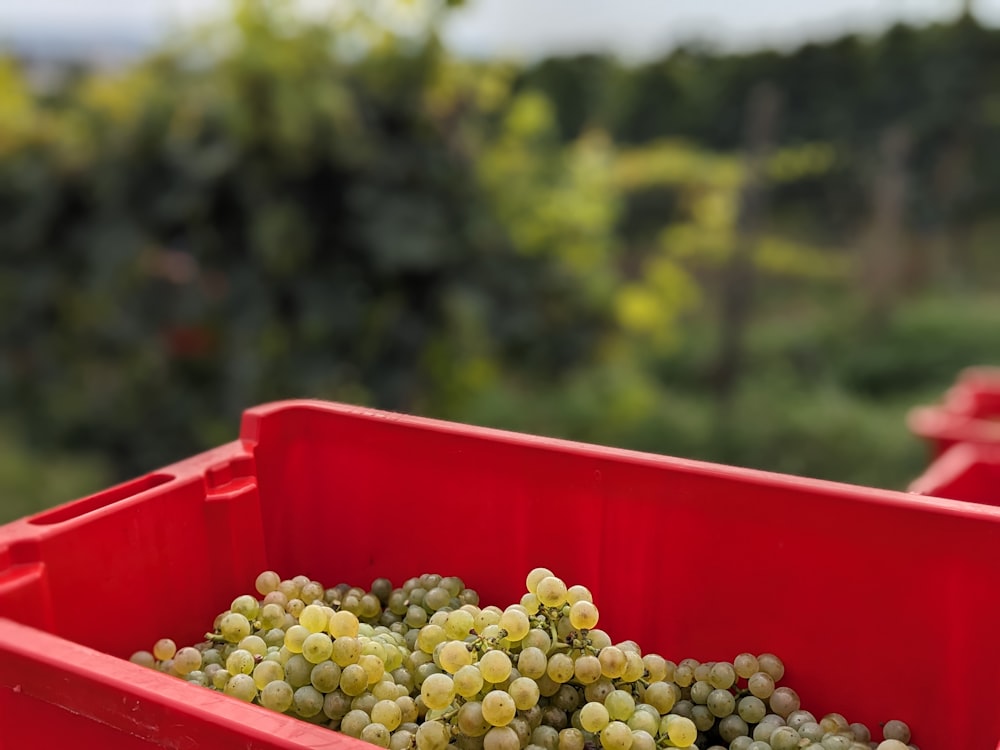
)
(501, 738)
(551, 591)
(524, 692)
(468, 681)
(594, 717)
(772, 665)
(761, 684)
(277, 696)
(583, 615)
(386, 665)
(325, 676)
(894, 729)
(241, 686)
(376, 734)
(267, 672)
(317, 647)
(516, 623)
(560, 668)
(437, 691)
(495, 666)
(164, 649)
(783, 701)
(187, 660)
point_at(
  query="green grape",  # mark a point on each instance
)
(470, 719)
(566, 699)
(336, 705)
(267, 672)
(620, 705)
(587, 669)
(680, 730)
(599, 639)
(837, 742)
(373, 666)
(731, 727)
(551, 591)
(545, 737)
(373, 648)
(408, 708)
(700, 692)
(346, 650)
(634, 667)
(532, 662)
(325, 677)
(583, 615)
(416, 617)
(536, 575)
(298, 671)
(745, 665)
(656, 667)
(501, 738)
(861, 732)
(370, 608)
(164, 649)
(642, 740)
(187, 660)
(722, 675)
(317, 648)
(783, 701)
(647, 721)
(376, 734)
(616, 736)
(797, 718)
(599, 690)
(892, 745)
(437, 691)
(402, 739)
(254, 644)
(487, 617)
(515, 622)
(530, 603)
(721, 702)
(560, 668)
(524, 692)
(894, 729)
(459, 624)
(613, 662)
(684, 675)
(432, 735)
(537, 638)
(784, 738)
(751, 709)
(498, 708)
(354, 723)
(353, 680)
(342, 624)
(143, 659)
(594, 717)
(760, 684)
(387, 713)
(430, 636)
(276, 597)
(247, 606)
(267, 582)
(834, 722)
(468, 681)
(219, 679)
(495, 666)
(571, 738)
(277, 696)
(702, 718)
(772, 665)
(762, 732)
(295, 636)
(315, 618)
(241, 686)
(741, 743)
(811, 731)
(307, 701)
(240, 661)
(454, 655)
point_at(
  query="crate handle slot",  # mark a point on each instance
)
(100, 500)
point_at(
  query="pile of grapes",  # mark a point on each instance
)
(423, 666)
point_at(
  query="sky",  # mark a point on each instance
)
(530, 28)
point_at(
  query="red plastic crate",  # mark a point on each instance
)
(969, 412)
(966, 471)
(882, 604)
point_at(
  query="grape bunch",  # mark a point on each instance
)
(424, 667)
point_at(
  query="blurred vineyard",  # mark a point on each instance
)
(760, 259)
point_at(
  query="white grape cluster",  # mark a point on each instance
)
(424, 667)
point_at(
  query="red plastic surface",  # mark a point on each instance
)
(882, 604)
(969, 412)
(966, 471)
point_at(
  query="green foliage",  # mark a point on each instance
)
(297, 205)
